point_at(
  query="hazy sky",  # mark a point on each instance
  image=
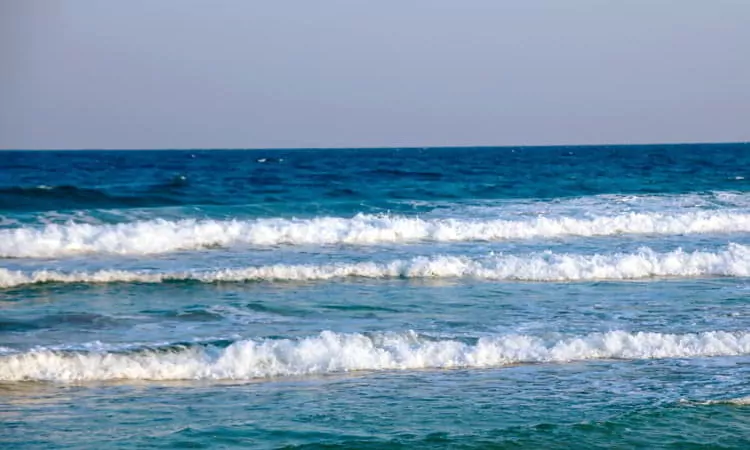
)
(352, 73)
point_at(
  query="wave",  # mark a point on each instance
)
(62, 197)
(75, 320)
(163, 236)
(734, 261)
(332, 352)
(740, 401)
(603, 204)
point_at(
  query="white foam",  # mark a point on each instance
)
(162, 236)
(740, 401)
(332, 352)
(603, 204)
(734, 261)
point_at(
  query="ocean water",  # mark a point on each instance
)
(561, 297)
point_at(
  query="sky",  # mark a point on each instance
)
(363, 73)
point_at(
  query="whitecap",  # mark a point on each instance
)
(733, 261)
(164, 236)
(331, 352)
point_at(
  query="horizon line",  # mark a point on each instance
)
(400, 147)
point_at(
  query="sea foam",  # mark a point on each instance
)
(733, 261)
(740, 401)
(162, 236)
(332, 352)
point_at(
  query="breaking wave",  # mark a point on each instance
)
(739, 401)
(733, 261)
(332, 352)
(162, 236)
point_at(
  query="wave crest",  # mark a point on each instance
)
(734, 261)
(332, 352)
(162, 236)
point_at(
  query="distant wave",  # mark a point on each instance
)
(162, 236)
(739, 401)
(734, 261)
(71, 197)
(602, 204)
(50, 191)
(332, 352)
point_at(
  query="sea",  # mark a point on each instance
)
(396, 298)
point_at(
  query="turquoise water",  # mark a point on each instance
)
(562, 297)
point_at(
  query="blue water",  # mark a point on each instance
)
(561, 297)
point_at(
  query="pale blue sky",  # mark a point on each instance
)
(353, 73)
